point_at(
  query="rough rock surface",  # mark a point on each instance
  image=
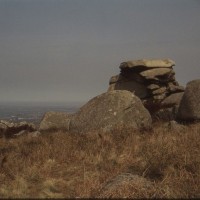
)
(10, 129)
(175, 88)
(111, 109)
(55, 121)
(172, 100)
(126, 181)
(169, 107)
(189, 108)
(137, 88)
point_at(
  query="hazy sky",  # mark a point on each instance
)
(67, 50)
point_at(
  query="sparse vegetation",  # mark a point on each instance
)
(66, 165)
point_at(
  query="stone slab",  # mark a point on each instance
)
(148, 63)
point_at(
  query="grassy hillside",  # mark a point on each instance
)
(60, 164)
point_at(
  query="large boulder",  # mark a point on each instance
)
(189, 108)
(55, 121)
(111, 109)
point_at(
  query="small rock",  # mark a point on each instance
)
(159, 91)
(112, 188)
(174, 126)
(55, 121)
(175, 88)
(159, 97)
(153, 87)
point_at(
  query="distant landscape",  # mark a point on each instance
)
(33, 111)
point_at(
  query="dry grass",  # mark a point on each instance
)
(66, 165)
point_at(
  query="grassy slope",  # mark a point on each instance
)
(60, 165)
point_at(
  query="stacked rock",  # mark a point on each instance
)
(151, 80)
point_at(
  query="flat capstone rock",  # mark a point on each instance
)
(148, 63)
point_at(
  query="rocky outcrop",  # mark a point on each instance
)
(189, 108)
(10, 129)
(109, 110)
(153, 81)
(55, 121)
